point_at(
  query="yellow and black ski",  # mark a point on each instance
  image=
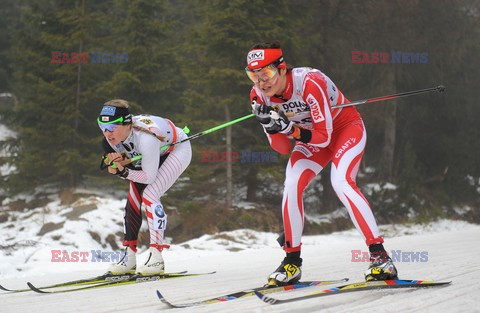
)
(124, 280)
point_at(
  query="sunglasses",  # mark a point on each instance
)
(263, 74)
(110, 126)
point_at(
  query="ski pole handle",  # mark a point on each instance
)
(123, 162)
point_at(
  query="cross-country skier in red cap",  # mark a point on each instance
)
(297, 104)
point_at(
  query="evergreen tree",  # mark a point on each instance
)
(55, 99)
(213, 59)
(150, 80)
(9, 11)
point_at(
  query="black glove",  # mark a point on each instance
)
(281, 124)
(123, 173)
(262, 112)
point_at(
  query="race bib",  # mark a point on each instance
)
(159, 216)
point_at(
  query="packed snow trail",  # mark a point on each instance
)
(452, 248)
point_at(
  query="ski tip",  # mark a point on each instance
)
(171, 305)
(5, 289)
(259, 295)
(159, 295)
(162, 298)
(31, 286)
(265, 298)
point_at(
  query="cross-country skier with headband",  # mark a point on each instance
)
(127, 136)
(297, 104)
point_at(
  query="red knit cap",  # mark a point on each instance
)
(259, 58)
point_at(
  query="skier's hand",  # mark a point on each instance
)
(114, 158)
(281, 123)
(262, 112)
(263, 115)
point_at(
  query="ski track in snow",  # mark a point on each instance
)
(453, 254)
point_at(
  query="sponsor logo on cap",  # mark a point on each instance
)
(255, 55)
(108, 110)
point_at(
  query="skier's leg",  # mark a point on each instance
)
(169, 171)
(304, 164)
(349, 146)
(132, 220)
(348, 151)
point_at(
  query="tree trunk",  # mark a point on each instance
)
(389, 136)
(228, 198)
(252, 183)
(73, 177)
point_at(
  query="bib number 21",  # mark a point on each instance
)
(159, 217)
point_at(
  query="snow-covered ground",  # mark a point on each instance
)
(445, 250)
(5, 133)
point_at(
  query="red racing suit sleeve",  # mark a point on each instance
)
(316, 97)
(279, 142)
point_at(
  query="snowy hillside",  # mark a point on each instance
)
(5, 133)
(444, 250)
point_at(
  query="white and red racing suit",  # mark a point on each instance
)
(152, 175)
(337, 135)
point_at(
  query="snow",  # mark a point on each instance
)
(375, 187)
(242, 259)
(73, 233)
(5, 133)
(326, 218)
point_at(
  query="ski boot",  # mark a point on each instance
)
(381, 266)
(126, 265)
(289, 272)
(154, 264)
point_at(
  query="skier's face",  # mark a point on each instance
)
(117, 134)
(270, 81)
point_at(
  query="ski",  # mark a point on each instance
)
(134, 279)
(249, 292)
(353, 287)
(107, 277)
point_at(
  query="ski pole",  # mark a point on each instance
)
(208, 131)
(439, 88)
